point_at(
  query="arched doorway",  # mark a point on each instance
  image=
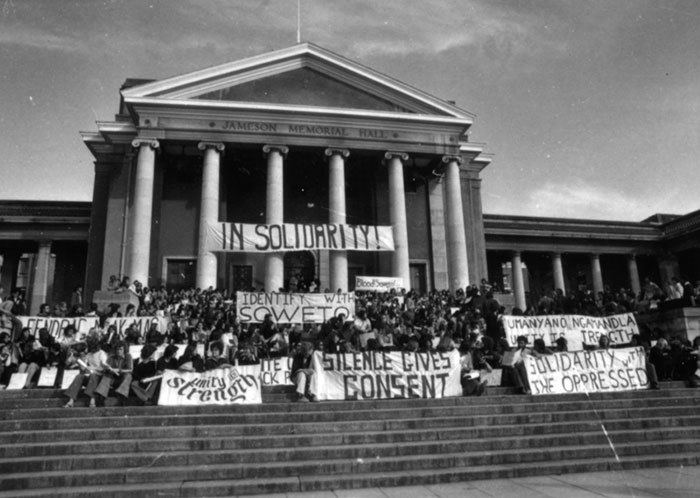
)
(299, 270)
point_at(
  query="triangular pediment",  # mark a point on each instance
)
(306, 87)
(302, 75)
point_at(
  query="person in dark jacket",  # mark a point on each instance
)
(302, 373)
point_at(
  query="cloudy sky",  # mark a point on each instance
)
(592, 108)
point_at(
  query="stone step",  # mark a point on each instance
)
(218, 437)
(272, 391)
(126, 474)
(315, 414)
(355, 480)
(170, 430)
(216, 451)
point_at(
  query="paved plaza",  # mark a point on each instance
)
(671, 482)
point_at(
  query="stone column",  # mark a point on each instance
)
(142, 211)
(274, 212)
(597, 274)
(558, 272)
(337, 214)
(40, 277)
(457, 263)
(518, 283)
(634, 274)
(397, 214)
(208, 212)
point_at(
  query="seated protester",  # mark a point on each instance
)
(144, 368)
(190, 359)
(153, 336)
(695, 354)
(469, 376)
(92, 368)
(539, 348)
(215, 359)
(169, 359)
(682, 364)
(302, 373)
(331, 343)
(10, 355)
(385, 338)
(561, 345)
(278, 344)
(33, 359)
(110, 338)
(174, 334)
(133, 335)
(516, 370)
(489, 353)
(636, 341)
(56, 358)
(660, 357)
(118, 371)
(229, 340)
(68, 337)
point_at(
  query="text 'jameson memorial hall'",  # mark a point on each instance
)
(296, 163)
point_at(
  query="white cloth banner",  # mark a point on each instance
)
(597, 371)
(56, 325)
(223, 386)
(142, 323)
(243, 237)
(378, 284)
(276, 371)
(294, 308)
(378, 375)
(578, 330)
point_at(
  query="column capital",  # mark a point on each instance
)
(516, 254)
(332, 151)
(151, 142)
(452, 158)
(218, 146)
(282, 149)
(389, 155)
(594, 255)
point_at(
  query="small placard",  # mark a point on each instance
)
(68, 378)
(47, 377)
(17, 381)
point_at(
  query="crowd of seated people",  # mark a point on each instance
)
(204, 324)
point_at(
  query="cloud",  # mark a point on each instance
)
(578, 199)
(40, 39)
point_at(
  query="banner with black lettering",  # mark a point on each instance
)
(223, 386)
(379, 375)
(245, 237)
(294, 308)
(377, 284)
(578, 330)
(597, 371)
(55, 325)
(276, 371)
(142, 323)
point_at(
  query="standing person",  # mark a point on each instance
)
(76, 298)
(302, 373)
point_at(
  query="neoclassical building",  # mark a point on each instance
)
(305, 136)
(300, 135)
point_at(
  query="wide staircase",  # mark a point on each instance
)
(280, 446)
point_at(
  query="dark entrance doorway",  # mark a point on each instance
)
(299, 270)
